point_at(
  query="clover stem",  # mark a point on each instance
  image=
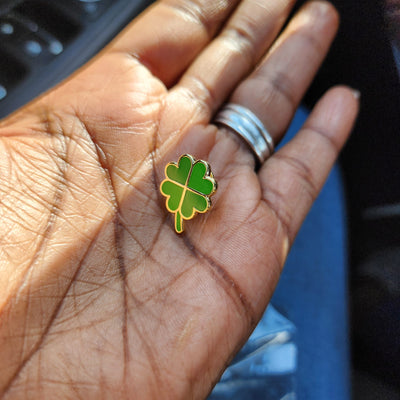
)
(178, 222)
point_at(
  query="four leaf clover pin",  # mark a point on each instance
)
(187, 187)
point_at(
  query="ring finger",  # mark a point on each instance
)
(274, 90)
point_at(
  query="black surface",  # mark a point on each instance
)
(50, 39)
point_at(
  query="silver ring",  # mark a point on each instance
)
(247, 125)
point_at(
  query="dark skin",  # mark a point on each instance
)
(100, 298)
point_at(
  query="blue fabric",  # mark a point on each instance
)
(312, 293)
(265, 367)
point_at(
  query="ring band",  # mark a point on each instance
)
(247, 125)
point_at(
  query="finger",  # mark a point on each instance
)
(233, 54)
(170, 34)
(293, 177)
(274, 90)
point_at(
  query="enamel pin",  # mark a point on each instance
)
(187, 186)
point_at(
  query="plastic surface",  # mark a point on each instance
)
(265, 367)
(44, 41)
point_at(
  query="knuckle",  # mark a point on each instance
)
(241, 41)
(280, 86)
(302, 173)
(276, 201)
(200, 11)
(273, 96)
(312, 42)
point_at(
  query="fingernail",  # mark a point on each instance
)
(356, 94)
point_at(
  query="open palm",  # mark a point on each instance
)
(99, 297)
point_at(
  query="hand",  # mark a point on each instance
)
(99, 297)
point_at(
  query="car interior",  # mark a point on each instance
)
(43, 41)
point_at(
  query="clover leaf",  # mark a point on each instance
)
(187, 187)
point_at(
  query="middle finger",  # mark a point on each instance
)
(232, 55)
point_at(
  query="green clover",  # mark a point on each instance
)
(187, 187)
